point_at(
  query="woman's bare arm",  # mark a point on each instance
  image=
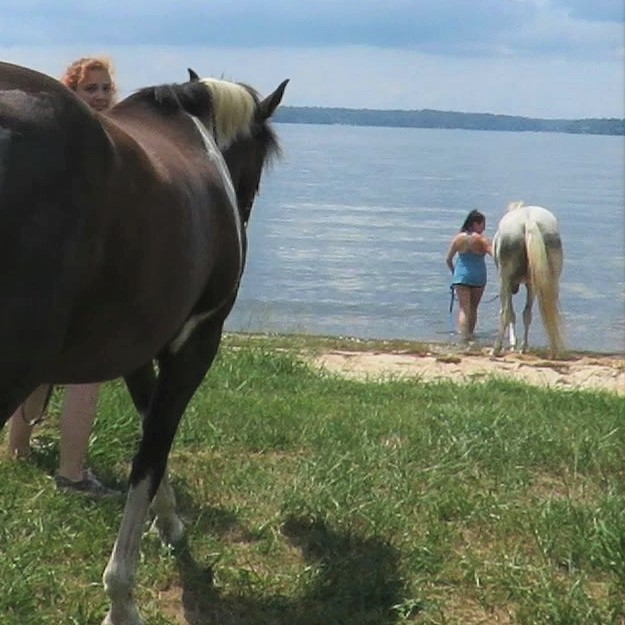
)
(451, 253)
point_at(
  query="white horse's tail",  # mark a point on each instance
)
(544, 273)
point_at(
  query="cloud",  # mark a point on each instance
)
(594, 10)
(539, 58)
(446, 27)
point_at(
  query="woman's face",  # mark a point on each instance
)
(96, 89)
(478, 226)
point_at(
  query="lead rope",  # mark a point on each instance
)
(452, 329)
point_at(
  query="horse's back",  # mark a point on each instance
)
(511, 240)
(543, 217)
(515, 223)
(544, 221)
(514, 220)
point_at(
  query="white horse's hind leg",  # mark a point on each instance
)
(527, 317)
(506, 315)
(512, 326)
(168, 524)
(512, 333)
(119, 575)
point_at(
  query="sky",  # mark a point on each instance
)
(536, 58)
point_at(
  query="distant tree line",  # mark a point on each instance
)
(427, 118)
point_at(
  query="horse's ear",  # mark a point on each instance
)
(267, 107)
(192, 75)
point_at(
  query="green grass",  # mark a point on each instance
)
(315, 500)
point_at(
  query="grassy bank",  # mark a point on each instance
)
(315, 500)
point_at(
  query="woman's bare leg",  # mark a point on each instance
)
(463, 294)
(79, 408)
(476, 293)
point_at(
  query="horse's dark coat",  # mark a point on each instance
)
(113, 229)
(116, 231)
(47, 178)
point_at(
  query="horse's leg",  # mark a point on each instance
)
(506, 314)
(527, 315)
(512, 330)
(141, 384)
(167, 523)
(180, 373)
(511, 317)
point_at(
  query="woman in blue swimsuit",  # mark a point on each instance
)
(468, 248)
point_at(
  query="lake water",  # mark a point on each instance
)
(349, 234)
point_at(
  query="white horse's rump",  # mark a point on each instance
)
(527, 248)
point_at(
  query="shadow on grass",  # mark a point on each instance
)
(351, 580)
(357, 583)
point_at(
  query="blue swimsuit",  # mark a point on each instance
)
(470, 269)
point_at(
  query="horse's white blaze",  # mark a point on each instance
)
(215, 155)
(119, 575)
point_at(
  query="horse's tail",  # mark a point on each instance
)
(544, 273)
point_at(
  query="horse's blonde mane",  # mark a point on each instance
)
(233, 109)
(514, 205)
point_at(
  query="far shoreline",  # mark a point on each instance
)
(447, 120)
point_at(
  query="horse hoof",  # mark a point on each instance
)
(170, 532)
(132, 619)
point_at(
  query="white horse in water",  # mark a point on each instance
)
(527, 248)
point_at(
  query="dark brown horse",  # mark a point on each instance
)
(122, 243)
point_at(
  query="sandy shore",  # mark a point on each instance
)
(596, 372)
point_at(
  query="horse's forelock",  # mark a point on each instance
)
(234, 106)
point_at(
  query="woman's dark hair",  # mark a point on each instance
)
(474, 217)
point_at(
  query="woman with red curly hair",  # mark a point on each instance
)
(91, 79)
